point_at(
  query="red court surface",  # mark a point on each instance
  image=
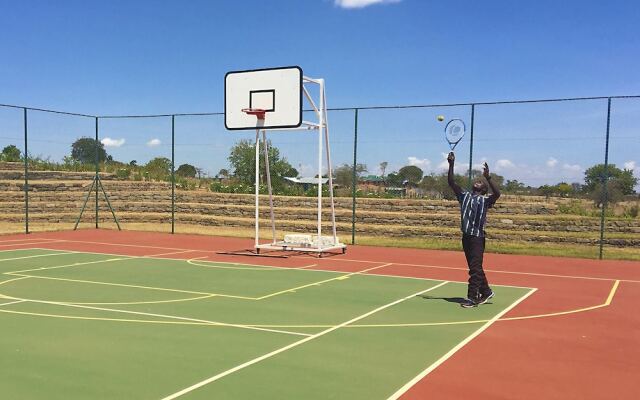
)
(576, 337)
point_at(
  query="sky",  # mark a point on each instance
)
(162, 57)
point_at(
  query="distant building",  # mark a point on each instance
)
(371, 183)
(306, 183)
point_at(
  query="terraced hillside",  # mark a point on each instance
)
(55, 200)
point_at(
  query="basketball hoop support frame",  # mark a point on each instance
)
(322, 126)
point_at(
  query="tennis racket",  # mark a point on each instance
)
(454, 131)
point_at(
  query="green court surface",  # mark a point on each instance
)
(97, 326)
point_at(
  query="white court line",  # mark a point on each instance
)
(29, 244)
(26, 240)
(223, 324)
(292, 345)
(305, 268)
(460, 345)
(39, 255)
(12, 302)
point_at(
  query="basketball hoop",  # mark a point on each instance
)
(258, 112)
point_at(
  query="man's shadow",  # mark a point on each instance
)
(458, 300)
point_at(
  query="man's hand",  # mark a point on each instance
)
(451, 158)
(485, 173)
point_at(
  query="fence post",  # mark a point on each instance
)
(605, 178)
(173, 173)
(354, 181)
(26, 175)
(97, 178)
(473, 111)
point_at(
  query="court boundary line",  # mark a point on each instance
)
(222, 324)
(266, 267)
(292, 345)
(342, 275)
(356, 260)
(454, 350)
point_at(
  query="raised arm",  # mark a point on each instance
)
(454, 186)
(494, 188)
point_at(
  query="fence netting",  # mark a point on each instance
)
(567, 170)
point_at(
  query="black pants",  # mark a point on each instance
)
(474, 251)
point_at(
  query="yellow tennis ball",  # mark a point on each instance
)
(440, 118)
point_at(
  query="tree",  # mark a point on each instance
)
(383, 168)
(159, 168)
(242, 160)
(84, 150)
(440, 184)
(10, 153)
(186, 171)
(513, 186)
(614, 193)
(343, 175)
(411, 173)
(394, 179)
(625, 181)
(223, 173)
(563, 189)
(133, 163)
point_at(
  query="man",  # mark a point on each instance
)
(473, 213)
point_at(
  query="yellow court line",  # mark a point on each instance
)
(69, 265)
(28, 243)
(36, 256)
(158, 315)
(341, 277)
(11, 302)
(166, 254)
(363, 261)
(27, 240)
(608, 301)
(12, 280)
(292, 345)
(249, 268)
(138, 302)
(487, 270)
(207, 294)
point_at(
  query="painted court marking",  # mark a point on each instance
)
(460, 345)
(290, 290)
(350, 260)
(156, 315)
(292, 345)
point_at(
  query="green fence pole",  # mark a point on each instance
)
(97, 170)
(26, 175)
(354, 182)
(173, 173)
(473, 111)
(605, 178)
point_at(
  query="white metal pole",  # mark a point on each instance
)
(321, 122)
(323, 105)
(257, 189)
(266, 163)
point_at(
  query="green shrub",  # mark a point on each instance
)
(575, 207)
(123, 173)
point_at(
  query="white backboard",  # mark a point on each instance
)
(276, 90)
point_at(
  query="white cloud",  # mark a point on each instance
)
(504, 164)
(630, 165)
(154, 142)
(108, 142)
(552, 162)
(361, 3)
(424, 164)
(572, 167)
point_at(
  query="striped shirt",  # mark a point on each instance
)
(473, 212)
